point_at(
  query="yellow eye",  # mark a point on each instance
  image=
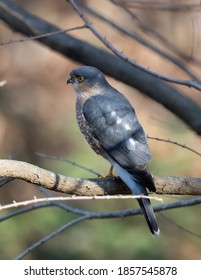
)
(80, 78)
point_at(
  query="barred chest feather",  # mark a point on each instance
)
(85, 129)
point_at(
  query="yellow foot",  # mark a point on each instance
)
(110, 174)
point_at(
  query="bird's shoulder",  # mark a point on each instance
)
(115, 98)
(110, 104)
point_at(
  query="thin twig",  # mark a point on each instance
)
(98, 215)
(47, 34)
(189, 83)
(73, 197)
(68, 161)
(63, 206)
(154, 5)
(51, 235)
(175, 143)
(114, 214)
(180, 227)
(25, 210)
(142, 41)
(167, 43)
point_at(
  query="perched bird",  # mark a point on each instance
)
(110, 126)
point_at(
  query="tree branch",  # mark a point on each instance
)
(36, 200)
(90, 187)
(148, 29)
(36, 37)
(142, 41)
(189, 83)
(108, 215)
(175, 143)
(29, 25)
(51, 235)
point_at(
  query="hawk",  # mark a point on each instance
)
(111, 127)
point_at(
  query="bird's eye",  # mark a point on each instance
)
(80, 78)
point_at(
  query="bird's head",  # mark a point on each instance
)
(87, 79)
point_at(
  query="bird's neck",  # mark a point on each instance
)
(88, 92)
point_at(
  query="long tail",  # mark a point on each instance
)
(133, 183)
(149, 215)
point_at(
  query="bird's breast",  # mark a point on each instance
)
(85, 129)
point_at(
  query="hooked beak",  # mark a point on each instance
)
(70, 80)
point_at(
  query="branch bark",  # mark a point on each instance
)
(190, 83)
(13, 169)
(29, 25)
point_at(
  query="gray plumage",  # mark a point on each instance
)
(110, 125)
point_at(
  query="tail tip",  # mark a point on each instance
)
(157, 232)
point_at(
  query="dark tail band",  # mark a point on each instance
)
(149, 215)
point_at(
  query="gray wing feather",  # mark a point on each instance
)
(112, 120)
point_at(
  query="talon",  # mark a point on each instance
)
(101, 176)
(110, 174)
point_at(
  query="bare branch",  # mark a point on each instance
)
(180, 227)
(90, 187)
(189, 83)
(68, 161)
(30, 25)
(51, 235)
(25, 210)
(143, 42)
(157, 35)
(36, 200)
(154, 5)
(36, 37)
(108, 215)
(61, 205)
(175, 143)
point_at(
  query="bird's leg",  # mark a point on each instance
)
(110, 174)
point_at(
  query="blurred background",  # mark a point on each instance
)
(37, 114)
